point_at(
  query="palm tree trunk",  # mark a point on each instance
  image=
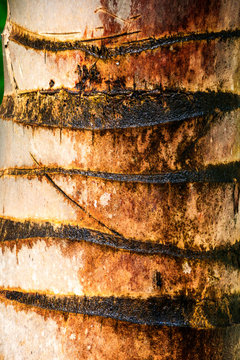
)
(119, 198)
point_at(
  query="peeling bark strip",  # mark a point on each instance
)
(222, 173)
(39, 42)
(11, 230)
(179, 311)
(67, 109)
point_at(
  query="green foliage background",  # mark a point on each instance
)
(3, 14)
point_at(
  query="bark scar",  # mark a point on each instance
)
(6, 35)
(106, 11)
(61, 191)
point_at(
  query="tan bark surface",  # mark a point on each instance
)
(119, 180)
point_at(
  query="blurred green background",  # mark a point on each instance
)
(3, 14)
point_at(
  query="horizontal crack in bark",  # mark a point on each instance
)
(177, 311)
(13, 230)
(40, 42)
(114, 110)
(220, 173)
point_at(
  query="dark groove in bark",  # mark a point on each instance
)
(177, 311)
(11, 230)
(39, 42)
(113, 110)
(221, 173)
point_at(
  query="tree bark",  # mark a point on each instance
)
(119, 186)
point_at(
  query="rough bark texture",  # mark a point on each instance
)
(119, 180)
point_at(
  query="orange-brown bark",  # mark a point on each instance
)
(119, 181)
